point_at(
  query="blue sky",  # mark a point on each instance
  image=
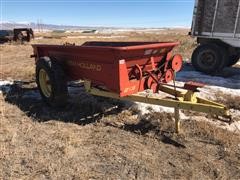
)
(120, 13)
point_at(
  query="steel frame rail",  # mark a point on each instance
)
(186, 100)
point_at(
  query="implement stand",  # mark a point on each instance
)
(177, 119)
(187, 100)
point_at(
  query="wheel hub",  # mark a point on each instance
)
(45, 84)
(207, 59)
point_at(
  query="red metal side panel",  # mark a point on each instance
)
(97, 65)
(123, 70)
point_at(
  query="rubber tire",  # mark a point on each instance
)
(233, 60)
(20, 38)
(220, 54)
(59, 95)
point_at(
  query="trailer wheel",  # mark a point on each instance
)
(209, 58)
(233, 60)
(51, 82)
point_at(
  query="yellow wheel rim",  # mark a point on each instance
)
(44, 82)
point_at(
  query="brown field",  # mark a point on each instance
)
(17, 64)
(101, 138)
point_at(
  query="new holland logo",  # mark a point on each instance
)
(88, 66)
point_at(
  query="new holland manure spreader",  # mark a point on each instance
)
(119, 70)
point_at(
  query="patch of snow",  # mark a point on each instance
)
(145, 108)
(41, 30)
(125, 30)
(148, 108)
(229, 85)
(5, 86)
(38, 38)
(232, 80)
(213, 90)
(94, 37)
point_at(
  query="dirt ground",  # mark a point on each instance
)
(102, 138)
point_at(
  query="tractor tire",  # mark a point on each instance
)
(233, 60)
(20, 38)
(51, 82)
(209, 58)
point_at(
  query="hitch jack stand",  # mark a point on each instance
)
(177, 119)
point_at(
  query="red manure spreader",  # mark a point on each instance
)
(121, 67)
(118, 70)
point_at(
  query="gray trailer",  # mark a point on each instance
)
(216, 24)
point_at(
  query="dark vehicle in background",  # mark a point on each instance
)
(6, 35)
(17, 34)
(216, 24)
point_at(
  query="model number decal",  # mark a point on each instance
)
(129, 89)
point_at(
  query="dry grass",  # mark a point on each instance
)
(17, 64)
(99, 138)
(231, 101)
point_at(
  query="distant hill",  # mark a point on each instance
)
(11, 25)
